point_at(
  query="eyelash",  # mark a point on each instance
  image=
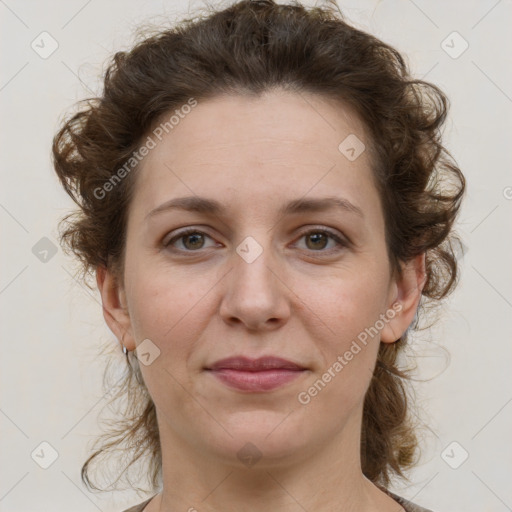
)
(188, 231)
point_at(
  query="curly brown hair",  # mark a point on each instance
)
(251, 47)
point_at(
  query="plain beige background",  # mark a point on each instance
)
(52, 326)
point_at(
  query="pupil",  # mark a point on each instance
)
(197, 235)
(318, 235)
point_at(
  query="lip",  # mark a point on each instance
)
(255, 375)
(247, 364)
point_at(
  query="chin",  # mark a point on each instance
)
(261, 438)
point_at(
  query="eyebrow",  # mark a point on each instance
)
(302, 205)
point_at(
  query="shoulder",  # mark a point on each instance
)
(409, 506)
(139, 507)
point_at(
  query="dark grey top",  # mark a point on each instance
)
(409, 506)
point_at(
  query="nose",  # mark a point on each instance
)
(255, 293)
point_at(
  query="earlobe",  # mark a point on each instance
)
(115, 311)
(403, 308)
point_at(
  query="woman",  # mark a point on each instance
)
(264, 201)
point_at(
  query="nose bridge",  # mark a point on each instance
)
(253, 263)
(254, 293)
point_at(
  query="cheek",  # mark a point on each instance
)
(167, 307)
(348, 302)
(347, 350)
(163, 311)
(342, 315)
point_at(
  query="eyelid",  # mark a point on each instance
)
(336, 234)
(183, 232)
(341, 239)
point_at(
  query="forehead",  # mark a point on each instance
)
(236, 120)
(239, 147)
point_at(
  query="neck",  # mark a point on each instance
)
(325, 477)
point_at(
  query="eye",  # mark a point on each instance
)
(191, 238)
(317, 240)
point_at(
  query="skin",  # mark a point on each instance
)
(301, 299)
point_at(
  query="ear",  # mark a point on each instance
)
(115, 310)
(405, 297)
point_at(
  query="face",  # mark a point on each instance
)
(252, 279)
